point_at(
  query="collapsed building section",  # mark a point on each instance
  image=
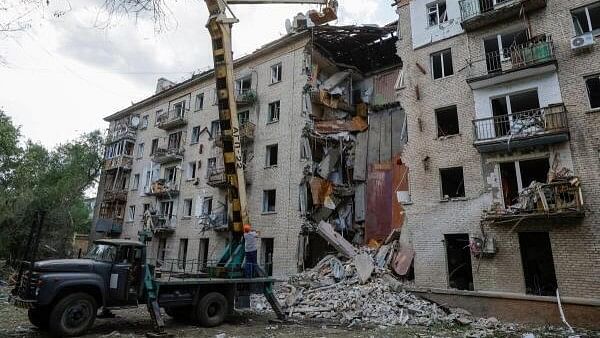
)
(353, 140)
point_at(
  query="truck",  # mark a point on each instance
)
(64, 295)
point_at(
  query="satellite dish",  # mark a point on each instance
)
(135, 121)
(288, 26)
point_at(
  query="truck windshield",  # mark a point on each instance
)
(102, 252)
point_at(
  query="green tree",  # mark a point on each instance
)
(49, 182)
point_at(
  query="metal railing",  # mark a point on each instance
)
(121, 161)
(522, 124)
(115, 194)
(171, 116)
(520, 56)
(118, 134)
(214, 221)
(185, 269)
(162, 187)
(472, 8)
(246, 96)
(164, 223)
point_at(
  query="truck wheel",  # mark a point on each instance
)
(211, 309)
(39, 317)
(180, 313)
(73, 315)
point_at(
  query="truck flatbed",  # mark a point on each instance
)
(211, 281)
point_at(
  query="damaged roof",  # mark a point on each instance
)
(368, 48)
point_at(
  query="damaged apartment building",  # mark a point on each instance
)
(502, 99)
(320, 129)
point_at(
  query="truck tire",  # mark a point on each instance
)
(211, 309)
(73, 315)
(39, 317)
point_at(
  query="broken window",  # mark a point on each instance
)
(162, 249)
(514, 114)
(276, 73)
(215, 128)
(171, 174)
(266, 248)
(202, 253)
(191, 170)
(195, 135)
(131, 213)
(271, 158)
(244, 85)
(207, 205)
(538, 263)
(144, 123)
(243, 117)
(269, 197)
(498, 48)
(437, 13)
(187, 207)
(447, 121)
(518, 175)
(441, 64)
(140, 150)
(157, 115)
(274, 109)
(199, 103)
(179, 109)
(593, 88)
(175, 140)
(136, 182)
(587, 19)
(154, 146)
(453, 184)
(460, 274)
(182, 255)
(166, 209)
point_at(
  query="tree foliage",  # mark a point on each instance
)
(42, 181)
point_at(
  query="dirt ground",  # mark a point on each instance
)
(136, 322)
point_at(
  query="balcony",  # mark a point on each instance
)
(517, 62)
(476, 14)
(215, 177)
(173, 119)
(162, 189)
(121, 134)
(215, 221)
(246, 97)
(166, 155)
(123, 162)
(117, 195)
(109, 226)
(561, 200)
(164, 224)
(521, 130)
(247, 130)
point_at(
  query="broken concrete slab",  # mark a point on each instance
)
(403, 260)
(364, 266)
(336, 240)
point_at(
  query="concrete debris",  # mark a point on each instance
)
(335, 239)
(364, 267)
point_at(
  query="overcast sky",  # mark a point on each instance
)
(64, 73)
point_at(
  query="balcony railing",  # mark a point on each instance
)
(215, 177)
(216, 221)
(527, 123)
(164, 155)
(557, 199)
(162, 188)
(109, 226)
(122, 161)
(246, 97)
(172, 119)
(479, 13)
(247, 130)
(164, 223)
(117, 135)
(115, 195)
(520, 56)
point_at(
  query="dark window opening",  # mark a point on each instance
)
(316, 249)
(534, 170)
(182, 256)
(269, 198)
(538, 263)
(593, 89)
(154, 146)
(267, 245)
(460, 275)
(447, 121)
(203, 254)
(510, 187)
(453, 184)
(274, 109)
(271, 155)
(587, 19)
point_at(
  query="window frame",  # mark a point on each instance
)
(586, 10)
(135, 183)
(131, 213)
(265, 202)
(192, 170)
(268, 158)
(270, 115)
(145, 121)
(188, 207)
(201, 96)
(278, 70)
(464, 188)
(587, 89)
(195, 135)
(445, 110)
(140, 150)
(436, 6)
(441, 55)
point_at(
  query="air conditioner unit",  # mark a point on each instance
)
(582, 41)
